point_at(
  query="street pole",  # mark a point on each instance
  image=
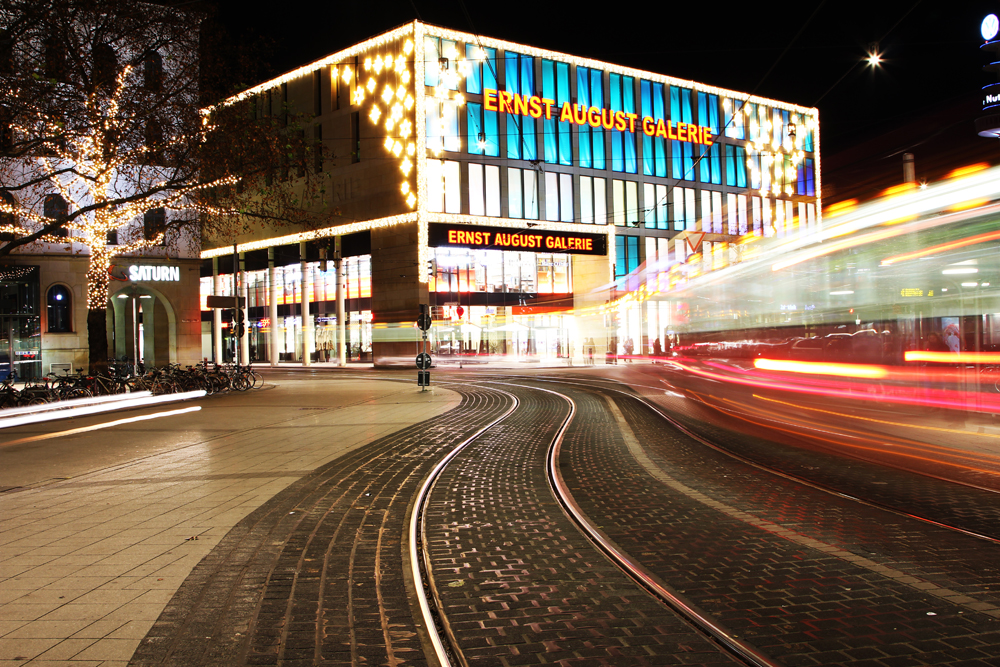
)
(236, 307)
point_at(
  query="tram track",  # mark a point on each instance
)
(447, 645)
(927, 580)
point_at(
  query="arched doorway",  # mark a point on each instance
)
(142, 326)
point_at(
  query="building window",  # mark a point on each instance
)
(484, 190)
(559, 197)
(112, 237)
(736, 166)
(622, 143)
(734, 114)
(59, 304)
(6, 52)
(483, 135)
(484, 69)
(442, 126)
(556, 137)
(55, 59)
(654, 149)
(152, 71)
(590, 93)
(154, 223)
(105, 67)
(355, 137)
(682, 152)
(56, 208)
(655, 211)
(710, 165)
(522, 193)
(684, 214)
(443, 187)
(593, 200)
(318, 148)
(625, 202)
(519, 77)
(627, 259)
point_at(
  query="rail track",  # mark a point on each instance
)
(448, 641)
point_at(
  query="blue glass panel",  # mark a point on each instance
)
(550, 139)
(492, 133)
(586, 155)
(810, 182)
(675, 103)
(686, 114)
(548, 79)
(702, 109)
(490, 69)
(562, 82)
(473, 82)
(583, 86)
(628, 106)
(529, 145)
(730, 165)
(801, 179)
(527, 75)
(599, 161)
(713, 113)
(431, 55)
(473, 114)
(659, 143)
(648, 158)
(687, 154)
(617, 157)
(713, 155)
(510, 72)
(807, 145)
(633, 253)
(596, 89)
(705, 165)
(513, 138)
(616, 92)
(741, 167)
(563, 95)
(676, 168)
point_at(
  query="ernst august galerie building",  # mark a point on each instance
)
(519, 192)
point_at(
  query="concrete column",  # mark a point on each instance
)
(272, 339)
(341, 325)
(216, 313)
(307, 330)
(245, 339)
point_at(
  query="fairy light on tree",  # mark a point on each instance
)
(121, 131)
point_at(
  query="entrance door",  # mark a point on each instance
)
(20, 346)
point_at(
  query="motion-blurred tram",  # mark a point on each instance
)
(916, 271)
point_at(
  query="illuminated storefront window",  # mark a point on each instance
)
(463, 270)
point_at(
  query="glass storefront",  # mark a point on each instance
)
(322, 297)
(20, 323)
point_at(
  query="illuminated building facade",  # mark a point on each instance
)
(519, 192)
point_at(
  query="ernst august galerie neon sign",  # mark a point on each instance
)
(536, 107)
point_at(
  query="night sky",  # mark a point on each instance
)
(931, 49)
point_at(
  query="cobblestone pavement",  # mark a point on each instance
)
(810, 578)
(315, 576)
(518, 582)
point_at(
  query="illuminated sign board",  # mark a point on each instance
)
(154, 273)
(524, 240)
(536, 107)
(991, 95)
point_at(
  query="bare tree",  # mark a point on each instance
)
(103, 121)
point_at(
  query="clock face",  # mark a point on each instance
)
(990, 27)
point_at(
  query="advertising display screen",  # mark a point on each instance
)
(523, 240)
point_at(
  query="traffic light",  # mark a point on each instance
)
(239, 322)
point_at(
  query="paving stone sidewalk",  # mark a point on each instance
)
(89, 563)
